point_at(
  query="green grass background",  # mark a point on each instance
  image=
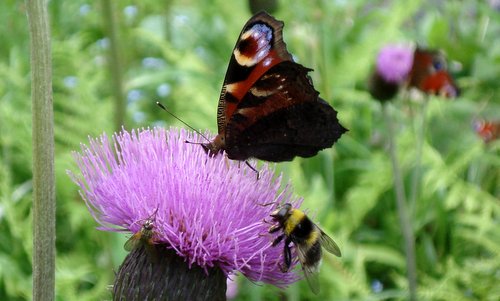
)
(177, 52)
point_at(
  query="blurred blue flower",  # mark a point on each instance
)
(377, 286)
(134, 95)
(130, 11)
(153, 63)
(138, 116)
(70, 82)
(103, 43)
(180, 20)
(163, 90)
(85, 9)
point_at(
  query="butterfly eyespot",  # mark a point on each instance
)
(244, 45)
(438, 64)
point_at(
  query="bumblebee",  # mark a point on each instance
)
(308, 239)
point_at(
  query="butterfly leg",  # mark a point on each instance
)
(266, 204)
(253, 168)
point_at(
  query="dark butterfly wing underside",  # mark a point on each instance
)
(280, 117)
(259, 46)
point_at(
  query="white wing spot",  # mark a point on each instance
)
(232, 87)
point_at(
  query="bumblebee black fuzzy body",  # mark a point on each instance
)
(308, 239)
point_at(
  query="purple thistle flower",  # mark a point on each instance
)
(208, 211)
(393, 68)
(394, 63)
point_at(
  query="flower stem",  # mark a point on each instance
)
(420, 134)
(44, 207)
(404, 218)
(114, 63)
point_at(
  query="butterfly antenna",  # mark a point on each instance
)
(173, 115)
(267, 204)
(153, 215)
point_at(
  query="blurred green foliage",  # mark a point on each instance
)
(177, 52)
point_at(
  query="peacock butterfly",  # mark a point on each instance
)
(268, 108)
(487, 130)
(429, 74)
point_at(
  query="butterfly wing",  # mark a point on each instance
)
(429, 74)
(280, 117)
(259, 47)
(487, 130)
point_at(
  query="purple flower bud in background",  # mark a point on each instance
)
(495, 4)
(394, 63)
(205, 213)
(392, 68)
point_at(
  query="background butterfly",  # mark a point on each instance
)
(430, 75)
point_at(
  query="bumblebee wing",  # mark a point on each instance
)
(310, 268)
(133, 242)
(329, 244)
(311, 273)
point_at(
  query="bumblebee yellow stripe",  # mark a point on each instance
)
(313, 237)
(294, 219)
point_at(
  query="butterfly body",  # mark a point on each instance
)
(268, 108)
